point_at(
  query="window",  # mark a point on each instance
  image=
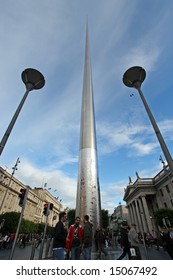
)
(165, 204)
(161, 192)
(167, 188)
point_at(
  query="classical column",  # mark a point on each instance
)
(134, 213)
(147, 215)
(138, 215)
(129, 213)
(142, 215)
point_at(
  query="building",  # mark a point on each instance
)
(145, 196)
(120, 214)
(9, 200)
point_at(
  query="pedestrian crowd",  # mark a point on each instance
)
(79, 240)
(76, 240)
(7, 239)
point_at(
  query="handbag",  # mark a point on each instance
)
(133, 252)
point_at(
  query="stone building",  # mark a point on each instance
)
(120, 212)
(145, 196)
(37, 197)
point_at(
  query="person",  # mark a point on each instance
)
(134, 242)
(169, 241)
(100, 241)
(23, 241)
(87, 238)
(124, 241)
(59, 238)
(74, 239)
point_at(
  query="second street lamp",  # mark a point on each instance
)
(134, 77)
(32, 79)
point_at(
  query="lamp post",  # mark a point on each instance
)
(32, 79)
(134, 77)
(121, 214)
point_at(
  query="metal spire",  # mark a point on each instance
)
(87, 132)
(88, 189)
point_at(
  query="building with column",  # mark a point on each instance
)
(145, 196)
(37, 197)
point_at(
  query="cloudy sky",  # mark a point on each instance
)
(50, 37)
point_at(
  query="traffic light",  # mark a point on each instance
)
(21, 196)
(45, 209)
(51, 206)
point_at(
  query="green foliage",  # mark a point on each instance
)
(28, 226)
(11, 223)
(71, 216)
(105, 218)
(163, 213)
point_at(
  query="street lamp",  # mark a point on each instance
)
(134, 77)
(32, 79)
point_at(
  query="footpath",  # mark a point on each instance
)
(150, 253)
(112, 253)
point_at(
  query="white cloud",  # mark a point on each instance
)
(51, 38)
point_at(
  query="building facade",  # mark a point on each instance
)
(120, 212)
(37, 197)
(119, 215)
(145, 196)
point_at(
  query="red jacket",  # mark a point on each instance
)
(70, 235)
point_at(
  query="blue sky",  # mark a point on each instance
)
(50, 36)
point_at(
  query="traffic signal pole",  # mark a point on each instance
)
(44, 234)
(19, 223)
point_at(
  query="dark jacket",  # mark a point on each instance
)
(124, 239)
(87, 234)
(99, 237)
(59, 236)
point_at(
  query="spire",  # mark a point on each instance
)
(88, 189)
(87, 132)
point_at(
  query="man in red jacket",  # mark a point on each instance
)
(74, 239)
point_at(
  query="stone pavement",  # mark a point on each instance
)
(147, 254)
(113, 253)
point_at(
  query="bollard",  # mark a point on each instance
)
(41, 249)
(33, 250)
(51, 249)
(47, 248)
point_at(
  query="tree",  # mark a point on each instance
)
(105, 218)
(164, 217)
(71, 216)
(11, 221)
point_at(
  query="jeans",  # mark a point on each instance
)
(87, 253)
(125, 252)
(58, 253)
(101, 249)
(75, 253)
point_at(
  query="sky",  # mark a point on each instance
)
(50, 36)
